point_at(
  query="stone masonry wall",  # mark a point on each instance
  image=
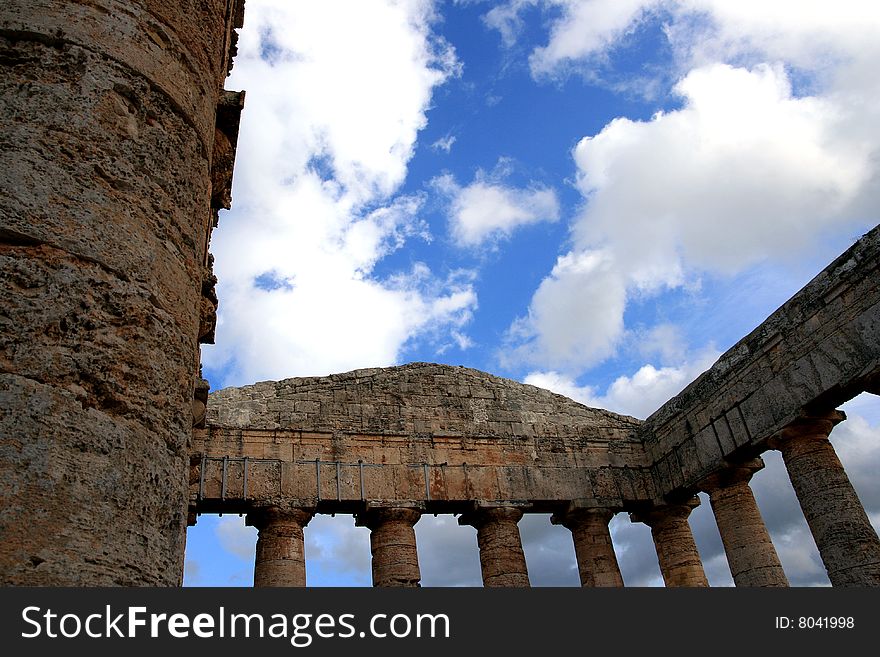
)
(108, 112)
(820, 349)
(426, 434)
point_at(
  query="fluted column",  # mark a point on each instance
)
(846, 540)
(393, 545)
(502, 560)
(677, 552)
(751, 555)
(597, 563)
(280, 558)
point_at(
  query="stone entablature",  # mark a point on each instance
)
(419, 433)
(818, 350)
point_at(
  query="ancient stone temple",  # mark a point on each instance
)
(389, 445)
(116, 156)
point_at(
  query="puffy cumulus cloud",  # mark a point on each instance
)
(333, 111)
(585, 28)
(575, 317)
(743, 171)
(749, 168)
(488, 209)
(809, 34)
(638, 395)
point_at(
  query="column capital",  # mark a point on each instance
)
(576, 515)
(378, 515)
(482, 515)
(807, 427)
(262, 517)
(662, 514)
(731, 474)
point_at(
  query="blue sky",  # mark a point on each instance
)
(594, 196)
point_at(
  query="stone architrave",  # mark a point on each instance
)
(847, 542)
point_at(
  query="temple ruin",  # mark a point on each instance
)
(117, 155)
(388, 445)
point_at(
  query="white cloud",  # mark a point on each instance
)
(748, 169)
(489, 209)
(742, 172)
(638, 395)
(506, 19)
(444, 144)
(663, 340)
(584, 29)
(236, 537)
(811, 34)
(332, 114)
(575, 318)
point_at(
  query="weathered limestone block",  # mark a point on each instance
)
(847, 542)
(421, 400)
(108, 112)
(677, 553)
(502, 560)
(280, 558)
(751, 555)
(393, 545)
(597, 562)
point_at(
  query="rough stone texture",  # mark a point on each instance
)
(502, 560)
(818, 350)
(596, 560)
(417, 399)
(845, 537)
(393, 545)
(751, 555)
(677, 552)
(108, 111)
(417, 433)
(280, 558)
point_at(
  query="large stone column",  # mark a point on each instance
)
(677, 552)
(502, 559)
(846, 540)
(750, 553)
(393, 545)
(280, 558)
(108, 112)
(597, 563)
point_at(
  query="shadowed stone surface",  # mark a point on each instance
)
(845, 537)
(750, 552)
(818, 350)
(108, 112)
(596, 560)
(677, 552)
